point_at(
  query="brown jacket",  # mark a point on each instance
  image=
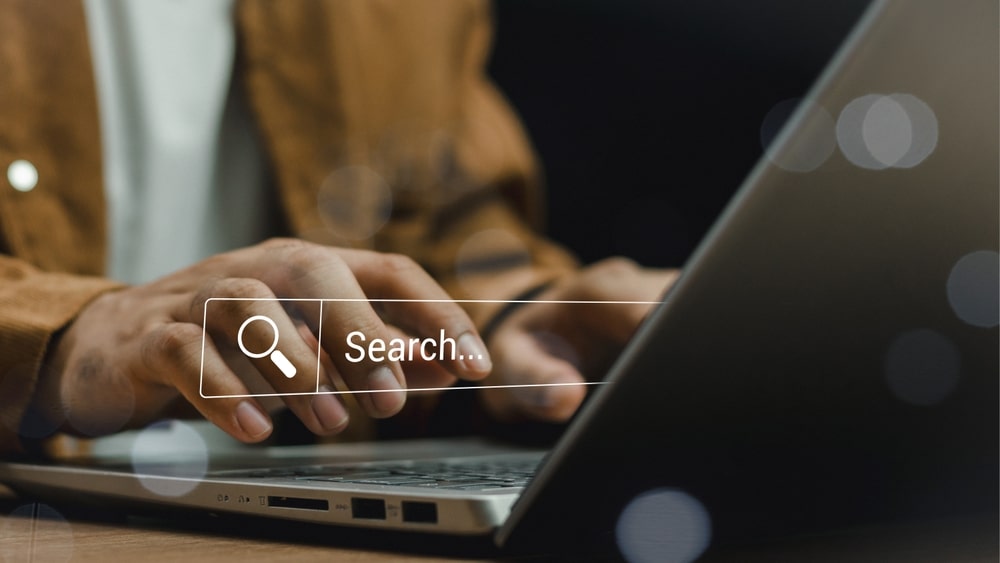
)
(396, 86)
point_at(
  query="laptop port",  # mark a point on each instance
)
(296, 502)
(368, 508)
(420, 512)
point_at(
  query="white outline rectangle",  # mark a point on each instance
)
(204, 337)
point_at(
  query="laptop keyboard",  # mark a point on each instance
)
(455, 475)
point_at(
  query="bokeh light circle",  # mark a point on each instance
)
(117, 390)
(850, 133)
(355, 202)
(974, 288)
(924, 127)
(878, 132)
(887, 131)
(170, 458)
(663, 526)
(807, 154)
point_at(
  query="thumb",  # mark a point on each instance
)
(530, 381)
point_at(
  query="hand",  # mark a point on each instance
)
(561, 343)
(131, 354)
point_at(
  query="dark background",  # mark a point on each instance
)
(647, 113)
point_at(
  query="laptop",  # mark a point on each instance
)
(829, 358)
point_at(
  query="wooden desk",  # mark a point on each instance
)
(41, 533)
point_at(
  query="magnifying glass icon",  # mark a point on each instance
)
(276, 356)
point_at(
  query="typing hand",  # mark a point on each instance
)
(132, 354)
(566, 343)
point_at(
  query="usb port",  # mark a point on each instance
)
(420, 512)
(368, 508)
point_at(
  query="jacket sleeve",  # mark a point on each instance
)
(34, 306)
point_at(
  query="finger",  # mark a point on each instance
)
(327, 369)
(621, 279)
(633, 290)
(315, 272)
(421, 373)
(425, 310)
(172, 353)
(428, 376)
(536, 384)
(615, 322)
(262, 330)
(328, 408)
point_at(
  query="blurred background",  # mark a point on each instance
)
(647, 114)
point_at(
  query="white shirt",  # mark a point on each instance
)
(184, 175)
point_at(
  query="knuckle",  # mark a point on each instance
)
(598, 281)
(236, 293)
(310, 261)
(368, 325)
(615, 267)
(242, 288)
(397, 264)
(172, 343)
(200, 299)
(281, 242)
(306, 255)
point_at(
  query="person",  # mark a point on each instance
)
(348, 150)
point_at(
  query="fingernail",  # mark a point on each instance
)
(251, 420)
(328, 410)
(386, 401)
(473, 354)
